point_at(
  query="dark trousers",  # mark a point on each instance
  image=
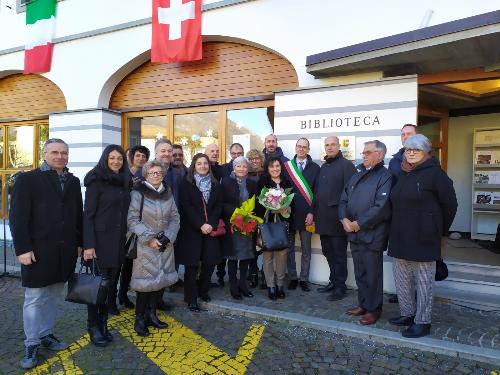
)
(221, 269)
(145, 301)
(125, 276)
(192, 288)
(368, 271)
(99, 312)
(232, 269)
(335, 250)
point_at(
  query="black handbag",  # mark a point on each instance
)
(273, 236)
(441, 270)
(131, 242)
(89, 287)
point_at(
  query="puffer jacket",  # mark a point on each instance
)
(152, 269)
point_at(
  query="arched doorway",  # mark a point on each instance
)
(25, 104)
(226, 97)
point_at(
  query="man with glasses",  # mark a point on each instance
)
(365, 213)
(235, 150)
(303, 173)
(333, 176)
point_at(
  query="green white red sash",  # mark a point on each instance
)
(299, 180)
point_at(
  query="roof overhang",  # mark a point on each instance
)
(472, 42)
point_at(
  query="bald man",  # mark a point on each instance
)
(212, 151)
(333, 175)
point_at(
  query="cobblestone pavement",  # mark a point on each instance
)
(449, 322)
(210, 342)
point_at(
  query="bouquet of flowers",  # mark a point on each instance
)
(276, 199)
(243, 220)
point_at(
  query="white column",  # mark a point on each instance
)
(87, 132)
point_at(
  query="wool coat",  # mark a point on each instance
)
(301, 207)
(193, 246)
(105, 217)
(46, 219)
(153, 270)
(365, 199)
(424, 205)
(333, 176)
(231, 201)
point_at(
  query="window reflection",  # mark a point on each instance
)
(146, 131)
(194, 131)
(20, 146)
(248, 127)
(43, 136)
(1, 148)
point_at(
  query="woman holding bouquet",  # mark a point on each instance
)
(200, 207)
(274, 262)
(236, 246)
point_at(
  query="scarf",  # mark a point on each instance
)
(204, 184)
(63, 176)
(242, 185)
(407, 167)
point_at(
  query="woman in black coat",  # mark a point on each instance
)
(107, 198)
(200, 207)
(274, 262)
(237, 188)
(423, 207)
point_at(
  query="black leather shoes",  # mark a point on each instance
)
(292, 285)
(125, 301)
(254, 280)
(326, 288)
(236, 296)
(336, 295)
(96, 336)
(271, 293)
(140, 326)
(393, 298)
(402, 321)
(304, 285)
(152, 320)
(280, 293)
(194, 307)
(205, 298)
(417, 330)
(246, 293)
(220, 282)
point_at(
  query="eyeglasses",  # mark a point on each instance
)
(254, 159)
(368, 153)
(302, 147)
(156, 174)
(413, 150)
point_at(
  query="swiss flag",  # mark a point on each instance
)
(176, 31)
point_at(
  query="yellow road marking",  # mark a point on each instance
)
(176, 350)
(63, 358)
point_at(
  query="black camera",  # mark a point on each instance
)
(160, 236)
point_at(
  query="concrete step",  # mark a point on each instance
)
(474, 269)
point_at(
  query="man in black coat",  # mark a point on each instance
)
(365, 214)
(333, 176)
(212, 151)
(407, 131)
(271, 148)
(46, 224)
(303, 174)
(235, 150)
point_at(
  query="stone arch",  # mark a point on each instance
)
(28, 96)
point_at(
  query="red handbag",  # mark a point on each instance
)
(221, 226)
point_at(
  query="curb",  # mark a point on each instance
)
(449, 348)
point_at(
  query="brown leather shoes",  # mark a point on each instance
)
(356, 311)
(369, 318)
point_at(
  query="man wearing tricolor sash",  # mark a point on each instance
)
(303, 173)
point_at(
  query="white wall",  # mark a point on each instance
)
(291, 28)
(460, 162)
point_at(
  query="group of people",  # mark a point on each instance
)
(179, 213)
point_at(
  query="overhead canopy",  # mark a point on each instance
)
(462, 44)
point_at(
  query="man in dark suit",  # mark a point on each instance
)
(333, 176)
(303, 173)
(365, 213)
(235, 150)
(46, 224)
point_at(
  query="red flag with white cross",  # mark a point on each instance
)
(176, 31)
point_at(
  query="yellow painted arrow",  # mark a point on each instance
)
(176, 350)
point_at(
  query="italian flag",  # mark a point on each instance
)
(40, 26)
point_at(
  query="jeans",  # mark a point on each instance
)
(305, 262)
(39, 311)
